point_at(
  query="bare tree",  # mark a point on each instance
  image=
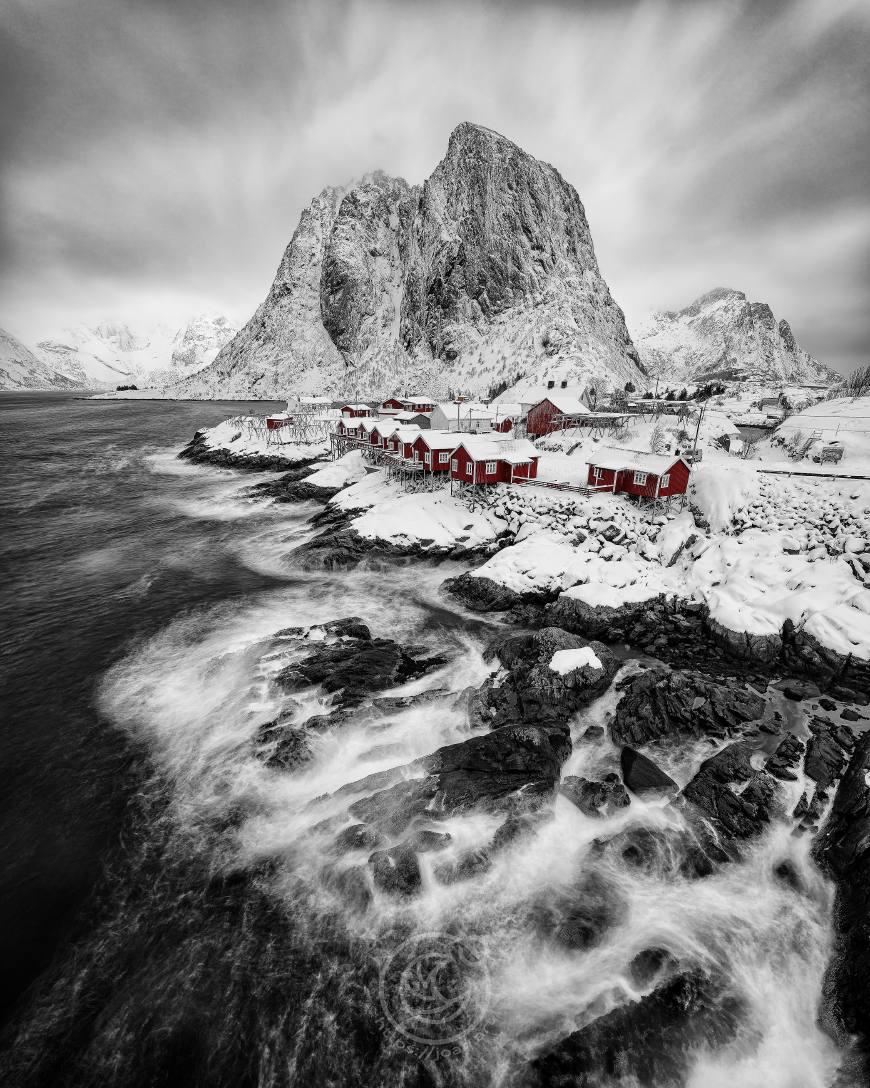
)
(658, 440)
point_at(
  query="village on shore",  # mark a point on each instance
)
(751, 501)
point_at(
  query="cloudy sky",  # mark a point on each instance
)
(155, 154)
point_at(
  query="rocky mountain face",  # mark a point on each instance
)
(723, 335)
(21, 369)
(484, 274)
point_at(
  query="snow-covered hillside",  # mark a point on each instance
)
(483, 274)
(724, 336)
(21, 369)
(111, 354)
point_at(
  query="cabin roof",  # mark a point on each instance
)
(654, 463)
(442, 440)
(481, 448)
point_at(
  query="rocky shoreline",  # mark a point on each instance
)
(713, 686)
(200, 452)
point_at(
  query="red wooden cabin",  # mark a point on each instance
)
(482, 461)
(643, 475)
(401, 440)
(434, 448)
(552, 413)
(282, 420)
(356, 411)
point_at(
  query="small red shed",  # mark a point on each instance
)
(553, 412)
(356, 411)
(479, 460)
(400, 441)
(643, 475)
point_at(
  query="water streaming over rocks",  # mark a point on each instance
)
(368, 838)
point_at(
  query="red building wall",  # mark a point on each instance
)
(355, 413)
(393, 404)
(542, 418)
(479, 475)
(503, 425)
(607, 476)
(678, 479)
(421, 448)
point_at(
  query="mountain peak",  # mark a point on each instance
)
(484, 274)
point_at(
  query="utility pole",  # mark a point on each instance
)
(698, 429)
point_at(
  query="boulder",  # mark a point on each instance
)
(396, 871)
(785, 759)
(735, 815)
(670, 703)
(597, 799)
(642, 776)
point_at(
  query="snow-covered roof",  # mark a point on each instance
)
(507, 410)
(655, 463)
(568, 406)
(442, 440)
(407, 416)
(405, 434)
(480, 448)
(368, 425)
(358, 407)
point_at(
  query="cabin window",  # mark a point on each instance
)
(597, 474)
(640, 478)
(665, 479)
(443, 458)
(454, 465)
(491, 467)
(428, 458)
(468, 469)
(416, 455)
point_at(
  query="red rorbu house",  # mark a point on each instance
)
(400, 441)
(642, 475)
(434, 448)
(280, 419)
(356, 411)
(478, 460)
(417, 402)
(553, 413)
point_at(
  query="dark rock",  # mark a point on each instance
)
(843, 851)
(735, 815)
(534, 692)
(425, 840)
(470, 864)
(595, 798)
(351, 886)
(787, 873)
(661, 703)
(799, 690)
(358, 837)
(512, 769)
(827, 704)
(283, 747)
(849, 715)
(482, 594)
(198, 451)
(518, 826)
(592, 734)
(649, 965)
(647, 1042)
(786, 757)
(396, 871)
(642, 776)
(802, 807)
(825, 759)
(355, 667)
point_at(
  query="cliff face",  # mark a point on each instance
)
(724, 335)
(483, 274)
(21, 369)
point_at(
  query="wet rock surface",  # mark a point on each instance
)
(714, 792)
(199, 452)
(594, 798)
(664, 703)
(642, 776)
(843, 851)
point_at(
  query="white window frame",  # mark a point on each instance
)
(491, 467)
(469, 468)
(444, 457)
(640, 478)
(664, 481)
(416, 455)
(454, 465)
(428, 458)
(597, 474)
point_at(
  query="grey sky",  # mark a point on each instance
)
(155, 154)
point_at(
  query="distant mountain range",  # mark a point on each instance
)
(724, 336)
(112, 354)
(483, 278)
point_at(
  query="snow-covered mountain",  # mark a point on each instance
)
(113, 354)
(21, 369)
(723, 335)
(483, 274)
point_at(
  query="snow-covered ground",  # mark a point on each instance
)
(246, 436)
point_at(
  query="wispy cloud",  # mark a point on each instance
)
(156, 155)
